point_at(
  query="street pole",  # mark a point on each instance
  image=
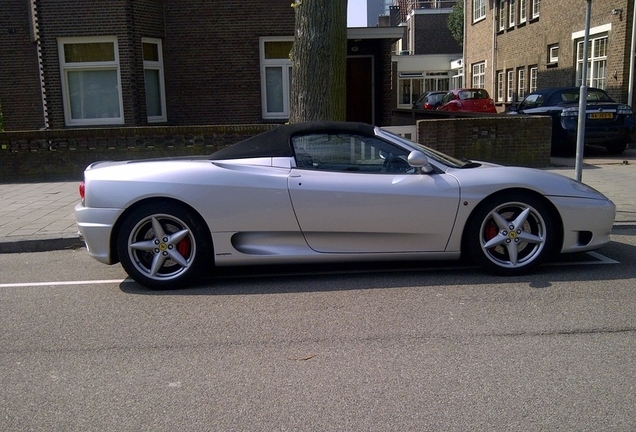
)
(580, 135)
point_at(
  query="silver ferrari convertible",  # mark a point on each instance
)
(330, 192)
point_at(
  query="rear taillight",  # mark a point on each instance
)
(82, 191)
(624, 110)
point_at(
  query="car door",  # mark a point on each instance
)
(355, 194)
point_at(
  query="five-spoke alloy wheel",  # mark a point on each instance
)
(162, 245)
(511, 234)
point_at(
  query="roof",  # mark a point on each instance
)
(277, 142)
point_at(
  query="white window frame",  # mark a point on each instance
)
(158, 66)
(534, 74)
(522, 11)
(553, 54)
(286, 67)
(407, 82)
(521, 84)
(500, 86)
(511, 13)
(596, 63)
(479, 10)
(502, 15)
(511, 86)
(479, 75)
(66, 67)
(536, 8)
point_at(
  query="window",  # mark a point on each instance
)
(500, 86)
(521, 83)
(457, 80)
(153, 79)
(411, 87)
(596, 62)
(511, 86)
(342, 152)
(536, 6)
(522, 11)
(91, 83)
(511, 13)
(534, 71)
(479, 10)
(501, 15)
(479, 75)
(553, 54)
(275, 77)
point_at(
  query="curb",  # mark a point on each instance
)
(40, 245)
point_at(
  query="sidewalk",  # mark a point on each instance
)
(38, 217)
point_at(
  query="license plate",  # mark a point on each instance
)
(601, 115)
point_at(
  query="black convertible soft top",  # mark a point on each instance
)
(277, 142)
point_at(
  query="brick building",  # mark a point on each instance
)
(427, 51)
(515, 46)
(83, 63)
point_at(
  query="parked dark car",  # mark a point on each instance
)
(608, 123)
(468, 100)
(429, 100)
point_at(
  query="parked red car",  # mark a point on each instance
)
(468, 100)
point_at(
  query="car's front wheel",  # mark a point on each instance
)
(163, 245)
(616, 147)
(510, 234)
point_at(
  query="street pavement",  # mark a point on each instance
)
(36, 217)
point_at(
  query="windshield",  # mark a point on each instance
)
(428, 152)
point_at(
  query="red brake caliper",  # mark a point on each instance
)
(491, 231)
(184, 247)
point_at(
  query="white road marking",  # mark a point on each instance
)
(600, 259)
(62, 283)
(603, 258)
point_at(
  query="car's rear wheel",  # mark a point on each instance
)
(616, 148)
(510, 234)
(163, 245)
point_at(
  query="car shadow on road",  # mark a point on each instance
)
(613, 262)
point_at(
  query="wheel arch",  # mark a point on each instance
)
(152, 200)
(554, 213)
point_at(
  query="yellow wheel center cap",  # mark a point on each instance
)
(512, 235)
(163, 247)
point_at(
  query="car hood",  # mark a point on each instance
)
(490, 178)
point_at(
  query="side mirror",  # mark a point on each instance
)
(418, 160)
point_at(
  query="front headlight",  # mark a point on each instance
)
(582, 187)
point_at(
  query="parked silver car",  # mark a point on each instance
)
(327, 192)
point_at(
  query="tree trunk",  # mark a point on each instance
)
(319, 61)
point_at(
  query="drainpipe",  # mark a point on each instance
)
(632, 54)
(35, 37)
(493, 55)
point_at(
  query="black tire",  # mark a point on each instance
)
(616, 148)
(174, 258)
(511, 234)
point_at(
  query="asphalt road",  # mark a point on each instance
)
(395, 348)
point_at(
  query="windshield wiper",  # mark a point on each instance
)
(470, 164)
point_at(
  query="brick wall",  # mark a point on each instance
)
(432, 35)
(505, 140)
(63, 154)
(212, 58)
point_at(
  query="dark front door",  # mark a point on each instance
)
(360, 89)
